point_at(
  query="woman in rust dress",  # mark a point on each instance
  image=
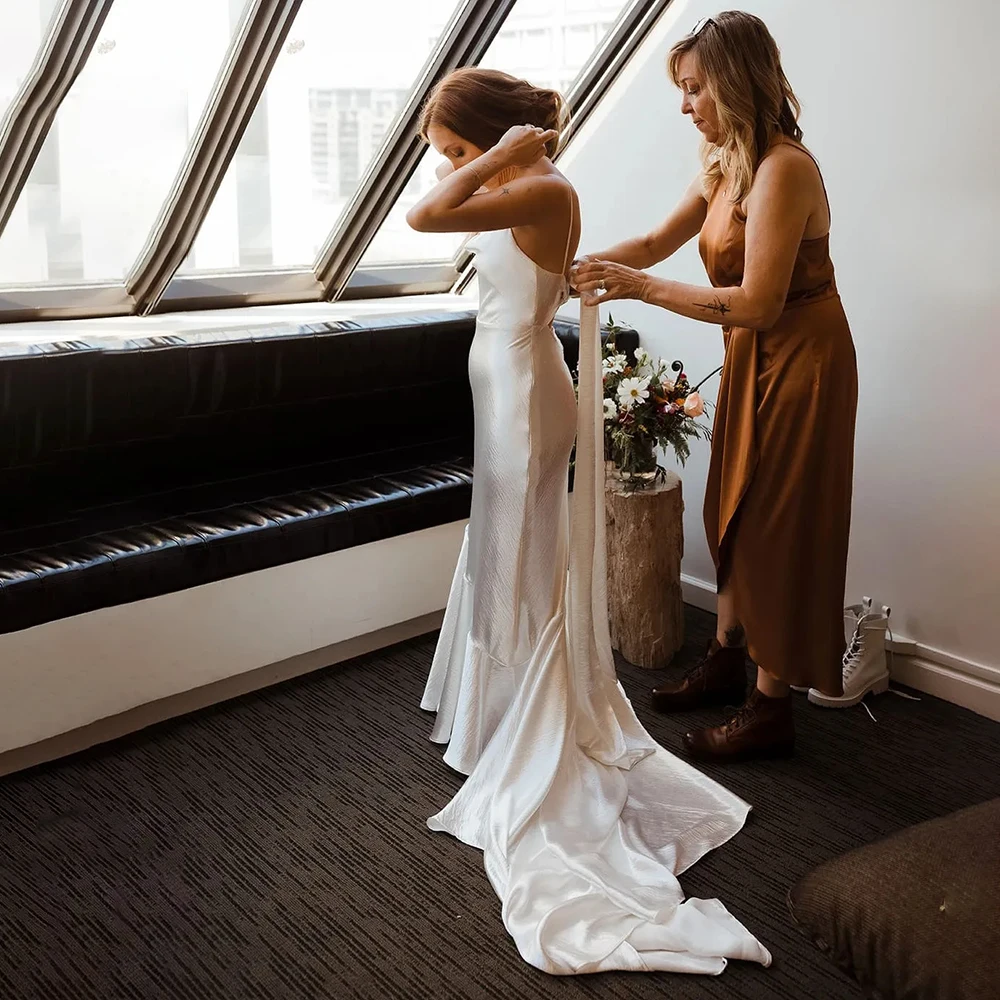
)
(778, 496)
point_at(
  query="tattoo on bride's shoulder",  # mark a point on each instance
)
(718, 306)
(505, 190)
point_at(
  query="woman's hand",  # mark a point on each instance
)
(601, 280)
(443, 169)
(574, 270)
(523, 145)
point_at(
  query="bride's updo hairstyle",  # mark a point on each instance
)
(481, 104)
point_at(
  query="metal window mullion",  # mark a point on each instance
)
(72, 34)
(608, 60)
(389, 280)
(241, 81)
(239, 289)
(63, 302)
(594, 81)
(464, 41)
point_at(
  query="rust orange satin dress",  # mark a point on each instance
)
(778, 496)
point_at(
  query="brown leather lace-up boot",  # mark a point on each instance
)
(719, 679)
(762, 728)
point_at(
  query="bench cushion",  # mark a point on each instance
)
(146, 558)
(140, 467)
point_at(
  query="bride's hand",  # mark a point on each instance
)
(523, 145)
(601, 281)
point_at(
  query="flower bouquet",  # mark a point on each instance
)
(647, 404)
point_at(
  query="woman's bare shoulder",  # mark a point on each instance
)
(789, 179)
(557, 182)
(555, 193)
(789, 163)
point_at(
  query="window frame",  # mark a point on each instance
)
(253, 50)
(152, 284)
(72, 34)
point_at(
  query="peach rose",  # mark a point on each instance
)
(694, 405)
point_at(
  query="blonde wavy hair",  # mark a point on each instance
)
(741, 64)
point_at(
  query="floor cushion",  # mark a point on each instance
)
(915, 916)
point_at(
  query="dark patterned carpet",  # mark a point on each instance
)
(274, 848)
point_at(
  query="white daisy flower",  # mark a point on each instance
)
(644, 364)
(616, 363)
(632, 391)
(610, 409)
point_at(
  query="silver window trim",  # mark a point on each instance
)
(84, 300)
(72, 32)
(248, 63)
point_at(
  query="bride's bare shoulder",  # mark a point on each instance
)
(555, 188)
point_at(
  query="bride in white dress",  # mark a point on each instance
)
(583, 819)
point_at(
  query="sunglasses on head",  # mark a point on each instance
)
(701, 26)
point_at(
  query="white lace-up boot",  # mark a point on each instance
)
(852, 613)
(865, 668)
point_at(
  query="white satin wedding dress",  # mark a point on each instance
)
(583, 819)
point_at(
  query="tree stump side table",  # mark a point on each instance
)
(645, 541)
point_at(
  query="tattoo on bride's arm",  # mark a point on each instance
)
(505, 190)
(718, 306)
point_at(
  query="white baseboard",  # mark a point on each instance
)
(154, 712)
(936, 672)
(698, 593)
(65, 675)
(81, 681)
(962, 682)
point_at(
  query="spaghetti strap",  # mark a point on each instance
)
(569, 231)
(569, 239)
(802, 149)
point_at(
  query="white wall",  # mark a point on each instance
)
(901, 101)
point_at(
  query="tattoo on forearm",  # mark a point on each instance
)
(505, 190)
(718, 306)
(735, 636)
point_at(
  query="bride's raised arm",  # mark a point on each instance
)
(456, 204)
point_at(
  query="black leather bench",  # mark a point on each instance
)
(133, 469)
